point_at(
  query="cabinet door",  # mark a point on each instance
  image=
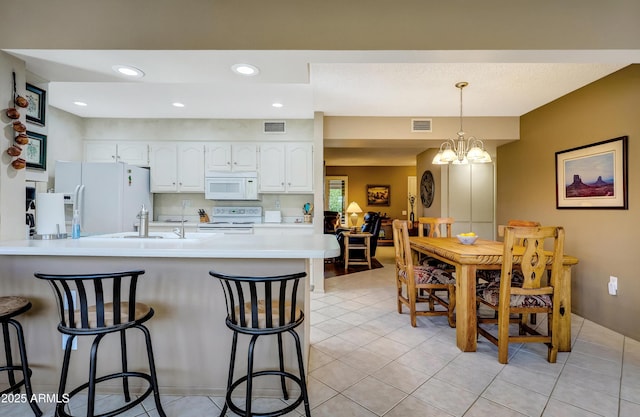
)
(272, 167)
(299, 165)
(244, 157)
(191, 167)
(134, 153)
(100, 152)
(163, 165)
(470, 191)
(218, 157)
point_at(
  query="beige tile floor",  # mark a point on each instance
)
(366, 360)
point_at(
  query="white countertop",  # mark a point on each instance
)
(283, 224)
(194, 224)
(216, 246)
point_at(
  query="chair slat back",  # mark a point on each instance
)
(93, 301)
(535, 260)
(435, 226)
(262, 303)
(404, 261)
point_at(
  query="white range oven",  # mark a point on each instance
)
(230, 220)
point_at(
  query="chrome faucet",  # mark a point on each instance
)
(143, 228)
(180, 232)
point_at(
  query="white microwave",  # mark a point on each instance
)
(231, 186)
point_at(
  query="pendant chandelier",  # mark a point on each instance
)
(461, 150)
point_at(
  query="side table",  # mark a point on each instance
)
(364, 245)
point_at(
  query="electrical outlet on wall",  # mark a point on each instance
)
(613, 285)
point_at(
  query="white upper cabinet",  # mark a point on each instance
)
(177, 167)
(286, 167)
(299, 165)
(272, 169)
(225, 156)
(134, 153)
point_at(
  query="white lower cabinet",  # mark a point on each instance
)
(177, 167)
(286, 167)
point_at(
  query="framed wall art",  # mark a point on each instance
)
(593, 176)
(37, 98)
(35, 152)
(378, 195)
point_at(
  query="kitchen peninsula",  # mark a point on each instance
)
(191, 341)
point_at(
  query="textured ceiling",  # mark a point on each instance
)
(338, 83)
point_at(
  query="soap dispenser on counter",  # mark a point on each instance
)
(75, 225)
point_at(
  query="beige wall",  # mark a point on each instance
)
(360, 177)
(12, 190)
(329, 24)
(65, 140)
(605, 241)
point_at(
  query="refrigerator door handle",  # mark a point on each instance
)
(80, 202)
(74, 198)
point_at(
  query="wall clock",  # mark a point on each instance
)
(427, 189)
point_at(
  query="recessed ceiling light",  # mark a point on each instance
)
(245, 69)
(80, 103)
(277, 105)
(128, 71)
(176, 104)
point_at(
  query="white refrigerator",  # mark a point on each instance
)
(108, 196)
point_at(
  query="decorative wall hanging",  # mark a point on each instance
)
(378, 195)
(36, 151)
(37, 98)
(593, 176)
(427, 189)
(18, 127)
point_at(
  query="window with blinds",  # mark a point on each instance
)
(336, 195)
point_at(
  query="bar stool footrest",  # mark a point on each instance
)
(18, 384)
(274, 413)
(134, 402)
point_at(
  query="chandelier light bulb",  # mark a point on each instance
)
(461, 151)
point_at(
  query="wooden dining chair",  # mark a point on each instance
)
(485, 277)
(435, 226)
(434, 229)
(534, 295)
(410, 279)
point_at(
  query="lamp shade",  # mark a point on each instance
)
(354, 208)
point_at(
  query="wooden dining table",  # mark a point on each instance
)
(487, 254)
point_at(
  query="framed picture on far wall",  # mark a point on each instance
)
(35, 152)
(378, 195)
(37, 98)
(593, 176)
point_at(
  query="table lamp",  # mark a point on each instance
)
(354, 209)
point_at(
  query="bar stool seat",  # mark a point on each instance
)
(260, 306)
(12, 306)
(103, 304)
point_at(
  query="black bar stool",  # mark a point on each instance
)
(260, 306)
(10, 307)
(106, 303)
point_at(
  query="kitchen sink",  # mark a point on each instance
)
(158, 235)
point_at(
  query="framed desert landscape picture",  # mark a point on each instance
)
(593, 176)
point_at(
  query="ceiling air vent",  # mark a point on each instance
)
(421, 125)
(275, 127)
